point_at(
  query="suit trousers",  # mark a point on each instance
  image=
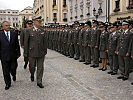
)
(95, 55)
(113, 62)
(87, 52)
(9, 67)
(124, 65)
(39, 63)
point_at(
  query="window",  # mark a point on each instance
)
(54, 15)
(16, 19)
(117, 6)
(130, 6)
(65, 15)
(8, 12)
(54, 2)
(64, 3)
(9, 19)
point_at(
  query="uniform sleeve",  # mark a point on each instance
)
(98, 37)
(26, 43)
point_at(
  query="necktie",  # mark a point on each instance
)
(7, 35)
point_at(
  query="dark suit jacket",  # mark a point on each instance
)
(9, 50)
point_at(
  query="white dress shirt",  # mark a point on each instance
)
(8, 34)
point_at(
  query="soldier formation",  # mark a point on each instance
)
(94, 43)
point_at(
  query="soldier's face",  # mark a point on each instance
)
(124, 27)
(37, 24)
(113, 29)
(94, 25)
(29, 25)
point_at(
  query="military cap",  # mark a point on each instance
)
(119, 22)
(82, 24)
(95, 21)
(38, 19)
(125, 23)
(76, 22)
(114, 25)
(131, 22)
(102, 24)
(88, 23)
(108, 23)
(29, 22)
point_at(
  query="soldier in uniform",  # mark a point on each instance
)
(123, 51)
(103, 46)
(95, 41)
(70, 43)
(36, 49)
(76, 31)
(87, 43)
(112, 44)
(22, 38)
(80, 43)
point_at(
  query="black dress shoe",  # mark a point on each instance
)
(125, 78)
(113, 73)
(7, 87)
(120, 77)
(95, 66)
(104, 69)
(76, 58)
(40, 85)
(110, 72)
(32, 78)
(100, 69)
(132, 83)
(92, 66)
(81, 60)
(14, 78)
(87, 63)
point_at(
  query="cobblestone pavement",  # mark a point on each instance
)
(67, 79)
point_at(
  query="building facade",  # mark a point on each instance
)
(51, 11)
(122, 10)
(10, 15)
(82, 10)
(26, 14)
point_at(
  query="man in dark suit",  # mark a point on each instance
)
(9, 53)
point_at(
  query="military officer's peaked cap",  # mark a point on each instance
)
(95, 21)
(108, 23)
(114, 25)
(125, 23)
(131, 22)
(88, 23)
(38, 19)
(82, 24)
(102, 24)
(29, 22)
(119, 22)
(76, 22)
